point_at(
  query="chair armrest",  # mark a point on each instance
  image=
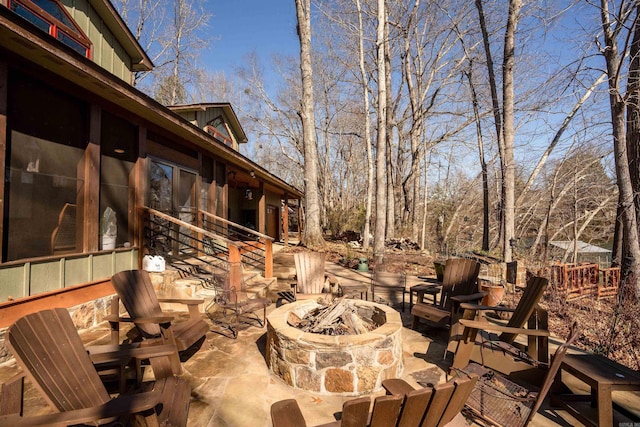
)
(187, 301)
(470, 297)
(396, 386)
(477, 307)
(110, 353)
(155, 319)
(121, 405)
(474, 324)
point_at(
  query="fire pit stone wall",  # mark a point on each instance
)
(343, 364)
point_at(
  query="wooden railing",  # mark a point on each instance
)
(257, 248)
(583, 280)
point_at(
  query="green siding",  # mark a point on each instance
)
(106, 51)
(31, 278)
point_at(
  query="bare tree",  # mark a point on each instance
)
(381, 158)
(611, 26)
(367, 129)
(312, 232)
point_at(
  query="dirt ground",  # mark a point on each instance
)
(609, 327)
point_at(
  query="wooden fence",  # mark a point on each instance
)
(585, 280)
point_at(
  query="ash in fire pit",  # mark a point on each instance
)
(341, 317)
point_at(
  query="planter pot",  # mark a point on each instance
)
(495, 295)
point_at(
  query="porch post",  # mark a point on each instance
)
(268, 258)
(4, 84)
(88, 221)
(262, 210)
(137, 192)
(285, 220)
(235, 268)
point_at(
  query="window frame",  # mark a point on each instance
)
(57, 28)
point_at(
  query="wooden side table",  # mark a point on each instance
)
(422, 289)
(603, 376)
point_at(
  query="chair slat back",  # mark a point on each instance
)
(415, 407)
(355, 412)
(386, 410)
(528, 301)
(47, 347)
(460, 278)
(136, 292)
(310, 272)
(463, 388)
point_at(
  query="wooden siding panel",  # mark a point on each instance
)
(76, 271)
(125, 261)
(13, 281)
(103, 265)
(46, 276)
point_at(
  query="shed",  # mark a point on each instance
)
(586, 252)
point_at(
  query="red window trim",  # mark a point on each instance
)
(74, 33)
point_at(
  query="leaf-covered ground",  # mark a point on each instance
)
(606, 326)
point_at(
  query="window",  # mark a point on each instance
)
(218, 129)
(46, 147)
(50, 16)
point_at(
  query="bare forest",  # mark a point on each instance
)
(492, 126)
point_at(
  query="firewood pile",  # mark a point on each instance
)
(402, 244)
(341, 317)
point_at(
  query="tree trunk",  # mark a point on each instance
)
(508, 163)
(367, 132)
(483, 163)
(631, 246)
(381, 171)
(312, 236)
(391, 184)
(495, 102)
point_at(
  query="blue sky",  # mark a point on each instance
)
(239, 27)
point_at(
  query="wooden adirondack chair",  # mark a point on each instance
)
(390, 283)
(460, 284)
(431, 406)
(498, 400)
(48, 349)
(477, 343)
(139, 298)
(311, 279)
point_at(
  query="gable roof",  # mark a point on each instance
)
(224, 106)
(139, 59)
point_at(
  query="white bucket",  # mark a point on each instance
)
(108, 242)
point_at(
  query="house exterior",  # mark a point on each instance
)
(83, 152)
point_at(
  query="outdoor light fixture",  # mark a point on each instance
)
(118, 151)
(252, 173)
(248, 194)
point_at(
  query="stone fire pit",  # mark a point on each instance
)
(341, 364)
